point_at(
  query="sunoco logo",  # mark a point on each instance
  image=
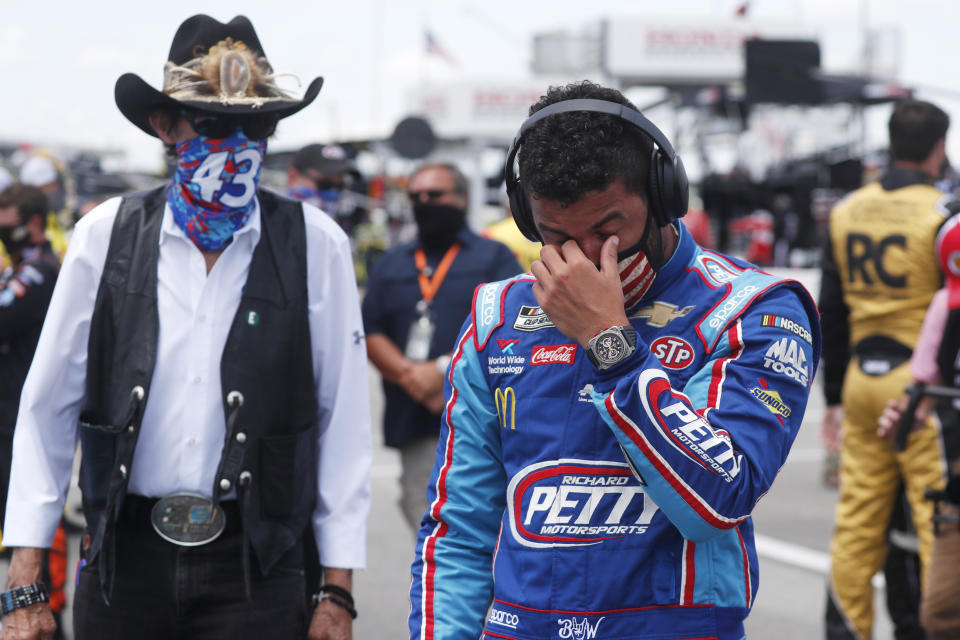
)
(578, 628)
(504, 618)
(721, 315)
(772, 401)
(569, 503)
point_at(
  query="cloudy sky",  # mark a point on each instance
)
(60, 59)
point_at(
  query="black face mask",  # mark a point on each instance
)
(438, 224)
(14, 238)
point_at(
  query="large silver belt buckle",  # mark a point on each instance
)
(187, 520)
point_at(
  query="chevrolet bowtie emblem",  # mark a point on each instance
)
(659, 314)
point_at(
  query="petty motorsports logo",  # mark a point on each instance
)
(571, 503)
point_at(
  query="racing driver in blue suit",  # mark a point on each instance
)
(612, 417)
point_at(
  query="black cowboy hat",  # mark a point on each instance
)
(213, 67)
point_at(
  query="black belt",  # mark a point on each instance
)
(879, 355)
(137, 509)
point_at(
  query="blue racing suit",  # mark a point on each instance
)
(583, 503)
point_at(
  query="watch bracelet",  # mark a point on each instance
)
(23, 596)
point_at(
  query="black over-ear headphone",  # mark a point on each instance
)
(667, 188)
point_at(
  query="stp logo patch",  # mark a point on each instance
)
(554, 354)
(673, 352)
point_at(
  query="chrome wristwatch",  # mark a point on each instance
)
(611, 346)
(24, 596)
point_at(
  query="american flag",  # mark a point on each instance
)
(435, 48)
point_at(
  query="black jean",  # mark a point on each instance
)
(166, 591)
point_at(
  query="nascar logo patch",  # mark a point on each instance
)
(787, 325)
(531, 319)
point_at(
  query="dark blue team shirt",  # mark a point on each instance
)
(389, 308)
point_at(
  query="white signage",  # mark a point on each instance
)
(644, 51)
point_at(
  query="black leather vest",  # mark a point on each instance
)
(269, 395)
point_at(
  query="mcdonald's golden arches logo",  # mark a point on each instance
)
(506, 401)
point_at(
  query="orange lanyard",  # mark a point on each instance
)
(429, 286)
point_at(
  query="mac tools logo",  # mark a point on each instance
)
(672, 352)
(787, 358)
(554, 354)
(572, 503)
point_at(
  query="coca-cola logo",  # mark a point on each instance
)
(554, 354)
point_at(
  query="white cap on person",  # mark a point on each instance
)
(38, 171)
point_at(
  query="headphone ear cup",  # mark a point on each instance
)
(655, 203)
(681, 187)
(522, 215)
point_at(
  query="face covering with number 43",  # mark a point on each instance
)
(211, 195)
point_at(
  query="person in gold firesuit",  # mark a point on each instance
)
(879, 275)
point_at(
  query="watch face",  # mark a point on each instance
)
(610, 348)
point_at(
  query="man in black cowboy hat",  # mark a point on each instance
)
(205, 346)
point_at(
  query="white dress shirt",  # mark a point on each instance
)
(182, 433)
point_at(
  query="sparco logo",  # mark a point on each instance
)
(554, 354)
(504, 618)
(578, 628)
(721, 315)
(672, 352)
(488, 305)
(568, 503)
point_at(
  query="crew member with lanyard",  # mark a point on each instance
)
(417, 296)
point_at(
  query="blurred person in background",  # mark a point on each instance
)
(41, 172)
(879, 276)
(418, 295)
(322, 174)
(204, 344)
(25, 290)
(936, 361)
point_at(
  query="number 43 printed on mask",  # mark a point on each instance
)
(213, 174)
